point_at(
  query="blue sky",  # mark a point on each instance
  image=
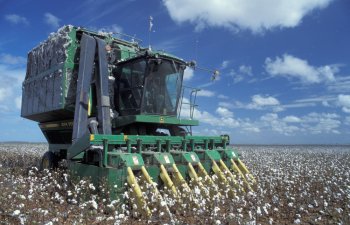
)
(284, 65)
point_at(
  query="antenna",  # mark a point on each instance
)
(150, 31)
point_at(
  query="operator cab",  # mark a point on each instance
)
(149, 85)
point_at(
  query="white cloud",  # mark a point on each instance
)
(12, 74)
(317, 123)
(188, 74)
(208, 118)
(224, 112)
(170, 44)
(16, 19)
(18, 102)
(223, 96)
(269, 117)
(326, 101)
(254, 15)
(236, 76)
(12, 60)
(51, 20)
(114, 28)
(5, 93)
(290, 125)
(326, 104)
(341, 85)
(4, 108)
(299, 105)
(291, 119)
(224, 64)
(260, 101)
(314, 123)
(344, 102)
(273, 122)
(246, 70)
(347, 120)
(225, 118)
(249, 127)
(252, 129)
(242, 72)
(205, 93)
(316, 99)
(293, 67)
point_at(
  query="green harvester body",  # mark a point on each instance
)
(103, 104)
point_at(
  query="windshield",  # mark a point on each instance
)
(130, 78)
(150, 86)
(162, 88)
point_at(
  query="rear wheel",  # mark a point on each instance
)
(48, 161)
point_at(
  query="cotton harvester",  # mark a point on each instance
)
(110, 109)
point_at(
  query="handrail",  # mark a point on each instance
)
(192, 92)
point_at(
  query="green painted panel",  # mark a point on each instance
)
(125, 120)
(182, 157)
(133, 160)
(114, 178)
(184, 171)
(127, 52)
(157, 158)
(228, 153)
(208, 155)
(154, 171)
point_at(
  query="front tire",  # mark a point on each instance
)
(48, 161)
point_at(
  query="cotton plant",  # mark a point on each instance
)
(306, 184)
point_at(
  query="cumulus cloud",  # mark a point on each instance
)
(114, 28)
(273, 122)
(229, 105)
(221, 96)
(251, 129)
(18, 102)
(188, 74)
(347, 120)
(260, 101)
(205, 93)
(291, 119)
(5, 92)
(341, 85)
(224, 64)
(246, 70)
(242, 72)
(52, 20)
(16, 19)
(224, 112)
(344, 102)
(314, 123)
(225, 118)
(12, 60)
(255, 15)
(293, 67)
(208, 118)
(12, 73)
(290, 125)
(317, 123)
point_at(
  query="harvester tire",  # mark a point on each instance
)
(48, 161)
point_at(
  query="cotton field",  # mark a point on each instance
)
(295, 185)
